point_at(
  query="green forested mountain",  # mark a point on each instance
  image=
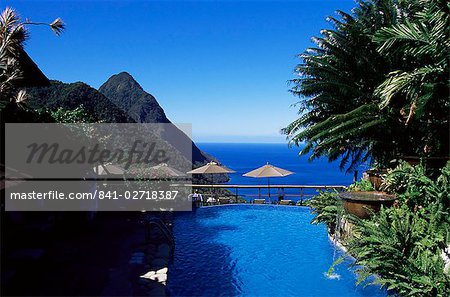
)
(125, 92)
(123, 101)
(71, 95)
(31, 75)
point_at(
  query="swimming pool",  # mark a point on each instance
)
(256, 250)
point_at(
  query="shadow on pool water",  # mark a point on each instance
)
(213, 253)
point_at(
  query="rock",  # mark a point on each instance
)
(159, 263)
(148, 274)
(159, 277)
(162, 270)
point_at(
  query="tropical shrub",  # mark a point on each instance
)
(362, 185)
(403, 248)
(414, 187)
(402, 245)
(325, 207)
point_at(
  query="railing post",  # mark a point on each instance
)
(301, 196)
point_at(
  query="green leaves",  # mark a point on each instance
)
(334, 264)
(407, 83)
(398, 245)
(325, 206)
(403, 245)
(414, 188)
(339, 75)
(77, 115)
(376, 85)
(389, 36)
(423, 43)
(362, 185)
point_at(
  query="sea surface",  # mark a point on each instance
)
(244, 157)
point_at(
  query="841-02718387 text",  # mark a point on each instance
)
(97, 194)
(137, 195)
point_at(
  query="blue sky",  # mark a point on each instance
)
(221, 65)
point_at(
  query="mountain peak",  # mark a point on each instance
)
(126, 93)
(123, 79)
(31, 76)
(123, 75)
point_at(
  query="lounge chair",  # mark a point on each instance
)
(259, 201)
(286, 202)
(224, 200)
(211, 201)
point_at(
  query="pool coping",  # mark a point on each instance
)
(252, 204)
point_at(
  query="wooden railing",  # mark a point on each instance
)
(280, 190)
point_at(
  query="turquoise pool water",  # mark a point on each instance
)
(256, 250)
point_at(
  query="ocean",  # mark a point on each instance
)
(244, 157)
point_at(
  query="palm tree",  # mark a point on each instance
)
(13, 34)
(420, 85)
(340, 116)
(346, 84)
